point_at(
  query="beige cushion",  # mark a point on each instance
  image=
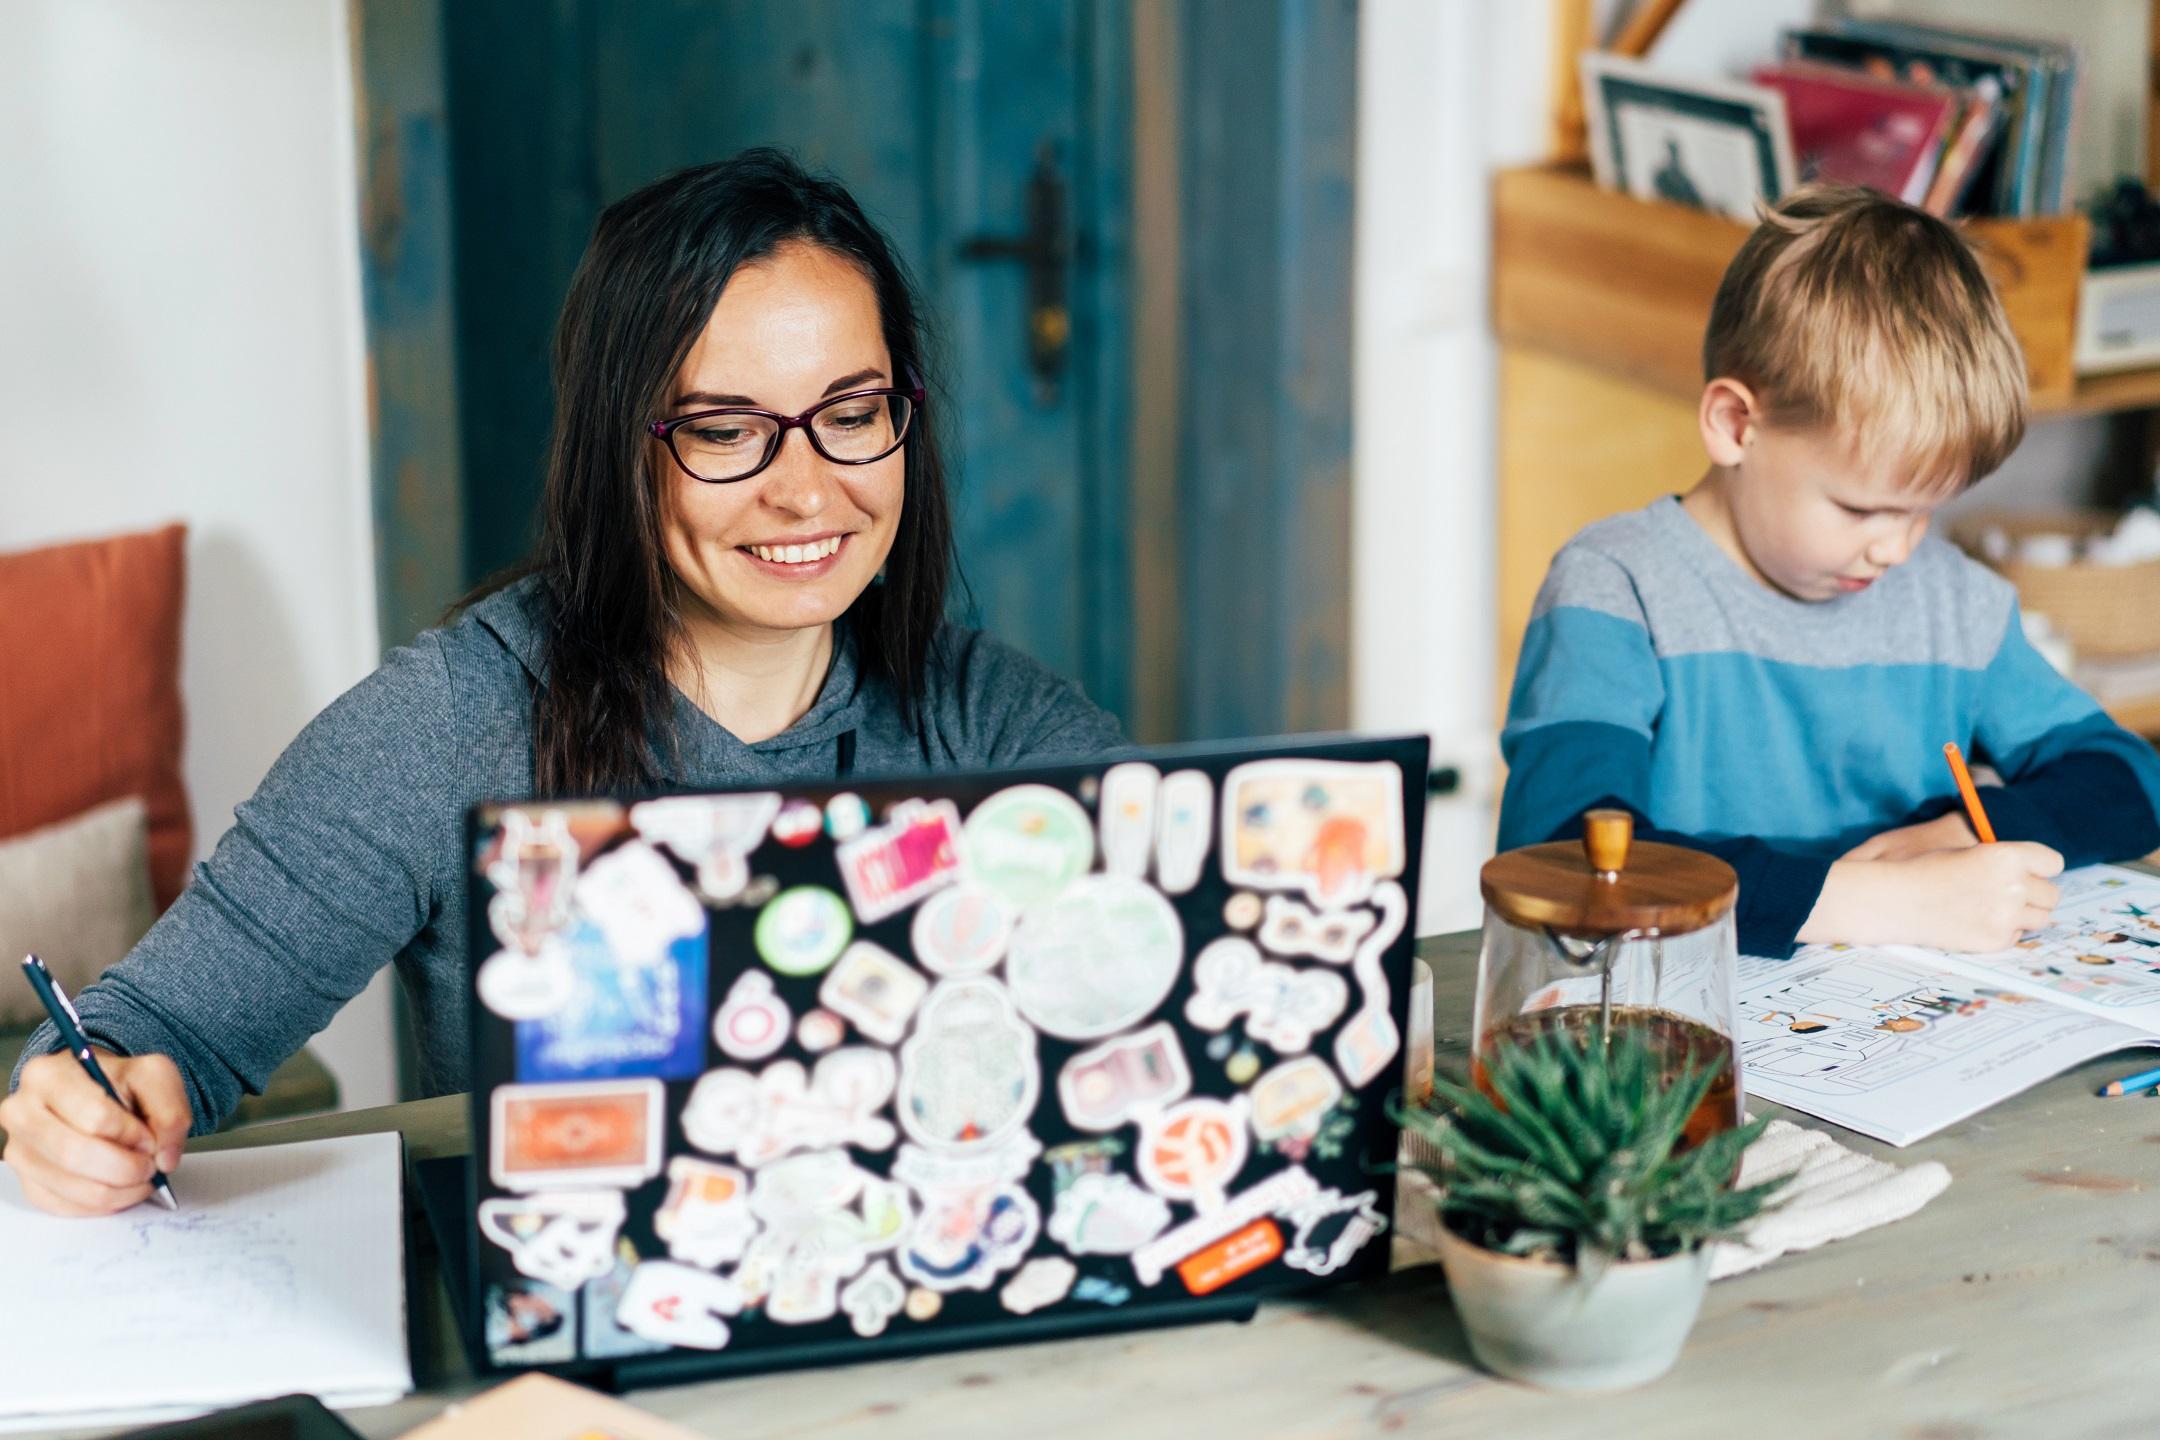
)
(78, 894)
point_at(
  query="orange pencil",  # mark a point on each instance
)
(1973, 812)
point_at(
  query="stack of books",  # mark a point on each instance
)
(1956, 121)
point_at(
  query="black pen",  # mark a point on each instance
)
(69, 1024)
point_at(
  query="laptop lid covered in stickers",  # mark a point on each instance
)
(826, 1072)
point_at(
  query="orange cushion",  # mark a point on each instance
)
(90, 688)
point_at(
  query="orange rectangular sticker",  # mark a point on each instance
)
(1230, 1257)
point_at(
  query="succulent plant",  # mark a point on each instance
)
(1574, 1156)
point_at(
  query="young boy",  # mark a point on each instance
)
(1768, 667)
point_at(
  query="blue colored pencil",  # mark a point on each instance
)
(2143, 1080)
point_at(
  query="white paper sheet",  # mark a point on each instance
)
(1900, 1042)
(282, 1271)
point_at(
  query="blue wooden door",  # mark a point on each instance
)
(990, 139)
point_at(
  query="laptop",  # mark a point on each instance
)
(831, 1072)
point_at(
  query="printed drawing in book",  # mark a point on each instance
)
(1846, 1023)
(2103, 947)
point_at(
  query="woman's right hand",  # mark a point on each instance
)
(78, 1153)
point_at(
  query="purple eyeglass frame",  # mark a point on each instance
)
(664, 430)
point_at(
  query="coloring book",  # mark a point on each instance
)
(1899, 1042)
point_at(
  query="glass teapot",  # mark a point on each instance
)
(1611, 933)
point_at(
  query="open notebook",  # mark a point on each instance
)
(283, 1271)
(1899, 1042)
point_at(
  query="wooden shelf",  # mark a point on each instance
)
(2105, 394)
(1624, 286)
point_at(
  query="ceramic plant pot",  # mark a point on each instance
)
(1540, 1322)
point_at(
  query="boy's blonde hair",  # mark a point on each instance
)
(1849, 312)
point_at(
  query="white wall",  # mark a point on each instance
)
(180, 338)
(1448, 91)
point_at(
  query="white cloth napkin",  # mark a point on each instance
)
(1835, 1192)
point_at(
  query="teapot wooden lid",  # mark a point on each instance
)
(1607, 883)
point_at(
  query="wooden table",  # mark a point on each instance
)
(2025, 1301)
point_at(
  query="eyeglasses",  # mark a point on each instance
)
(720, 447)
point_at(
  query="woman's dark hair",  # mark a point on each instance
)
(642, 295)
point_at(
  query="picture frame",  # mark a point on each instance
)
(1714, 145)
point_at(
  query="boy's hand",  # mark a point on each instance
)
(1945, 832)
(1982, 897)
(75, 1151)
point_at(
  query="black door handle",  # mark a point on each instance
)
(1044, 248)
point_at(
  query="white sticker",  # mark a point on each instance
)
(974, 1167)
(1128, 817)
(916, 851)
(638, 903)
(1193, 1150)
(1099, 1214)
(1330, 828)
(847, 815)
(1038, 1285)
(819, 1031)
(706, 1218)
(1273, 1196)
(564, 1238)
(962, 930)
(1096, 960)
(521, 986)
(779, 1110)
(1294, 928)
(1125, 1078)
(1291, 1100)
(969, 1077)
(1371, 1039)
(824, 1218)
(1025, 844)
(1285, 1007)
(678, 1305)
(965, 1239)
(1183, 829)
(872, 1298)
(753, 1022)
(875, 990)
(1330, 1228)
(696, 827)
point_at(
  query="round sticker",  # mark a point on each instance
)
(518, 986)
(924, 1304)
(803, 929)
(819, 1031)
(1193, 1150)
(753, 1021)
(1026, 844)
(798, 823)
(846, 816)
(1097, 960)
(1242, 1067)
(1242, 910)
(961, 931)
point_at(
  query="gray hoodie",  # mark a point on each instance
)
(348, 855)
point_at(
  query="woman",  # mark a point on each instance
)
(715, 600)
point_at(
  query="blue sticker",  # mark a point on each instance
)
(622, 1019)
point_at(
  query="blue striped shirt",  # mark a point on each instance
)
(1779, 733)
